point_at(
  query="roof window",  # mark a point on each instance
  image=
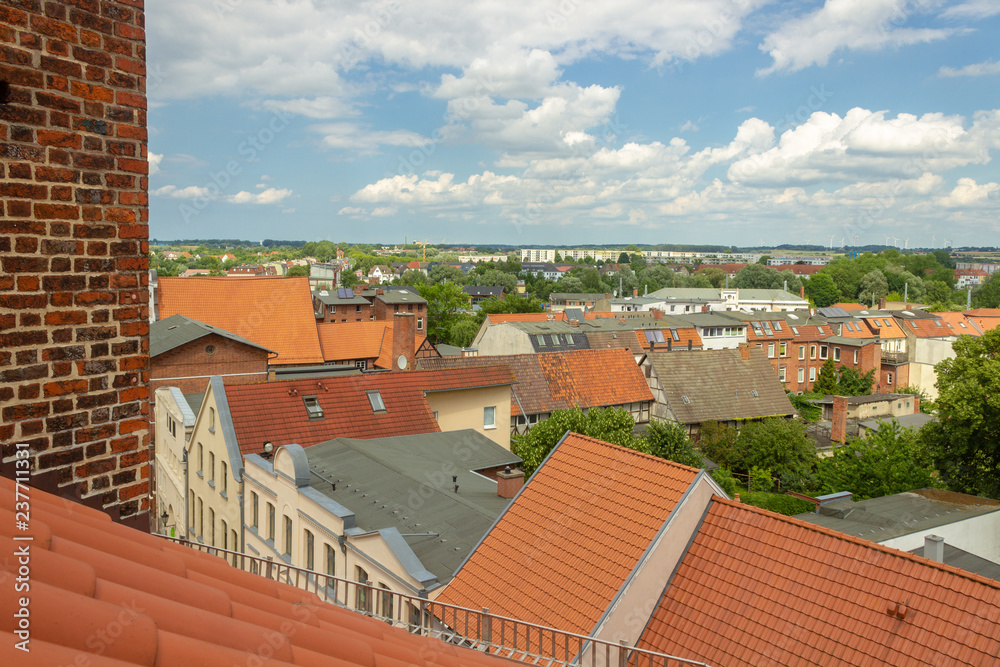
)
(375, 398)
(313, 408)
(685, 399)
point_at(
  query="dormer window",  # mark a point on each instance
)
(375, 398)
(313, 408)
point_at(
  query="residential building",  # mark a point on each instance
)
(546, 270)
(560, 301)
(373, 345)
(252, 271)
(342, 305)
(718, 330)
(726, 386)
(479, 293)
(385, 305)
(103, 594)
(324, 275)
(970, 278)
(562, 380)
(985, 319)
(276, 313)
(74, 252)
(904, 520)
(697, 299)
(842, 414)
(378, 274)
(988, 268)
(173, 412)
(437, 495)
(929, 341)
(556, 535)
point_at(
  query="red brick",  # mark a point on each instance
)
(57, 212)
(65, 387)
(54, 138)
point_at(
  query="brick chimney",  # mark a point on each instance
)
(509, 482)
(916, 403)
(802, 291)
(881, 303)
(635, 292)
(404, 329)
(838, 430)
(744, 351)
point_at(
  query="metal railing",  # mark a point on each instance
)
(895, 357)
(471, 628)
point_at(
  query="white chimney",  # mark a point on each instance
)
(934, 548)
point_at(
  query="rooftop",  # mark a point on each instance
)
(177, 330)
(553, 540)
(351, 341)
(276, 313)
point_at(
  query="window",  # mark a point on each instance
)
(361, 365)
(836, 354)
(211, 420)
(357, 308)
(313, 408)
(201, 460)
(802, 351)
(224, 475)
(361, 590)
(420, 324)
(211, 526)
(201, 518)
(375, 399)
(225, 535)
(783, 349)
(489, 417)
(288, 536)
(254, 506)
(888, 378)
(812, 374)
(555, 339)
(802, 375)
(824, 351)
(385, 602)
(191, 508)
(812, 351)
(211, 468)
(270, 522)
(770, 350)
(781, 373)
(331, 560)
(569, 339)
(855, 357)
(310, 551)
(540, 338)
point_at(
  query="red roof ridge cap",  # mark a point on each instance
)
(890, 551)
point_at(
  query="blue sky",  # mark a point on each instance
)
(568, 122)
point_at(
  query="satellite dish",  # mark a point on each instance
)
(401, 362)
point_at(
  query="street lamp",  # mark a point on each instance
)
(268, 451)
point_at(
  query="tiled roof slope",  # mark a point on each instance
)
(756, 588)
(985, 318)
(348, 341)
(272, 412)
(276, 313)
(562, 551)
(103, 594)
(563, 380)
(960, 323)
(719, 385)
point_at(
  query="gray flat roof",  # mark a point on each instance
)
(406, 483)
(177, 330)
(914, 421)
(880, 519)
(969, 562)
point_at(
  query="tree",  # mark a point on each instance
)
(987, 295)
(512, 303)
(624, 258)
(889, 460)
(822, 290)
(297, 271)
(442, 273)
(764, 259)
(718, 441)
(670, 441)
(463, 331)
(444, 305)
(873, 283)
(828, 380)
(715, 276)
(778, 445)
(757, 276)
(853, 383)
(612, 425)
(494, 277)
(413, 277)
(966, 441)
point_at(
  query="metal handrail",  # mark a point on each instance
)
(476, 629)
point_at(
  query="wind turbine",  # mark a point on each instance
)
(934, 241)
(831, 241)
(906, 244)
(887, 237)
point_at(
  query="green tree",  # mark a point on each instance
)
(757, 276)
(715, 276)
(828, 381)
(412, 277)
(889, 460)
(966, 441)
(822, 290)
(724, 478)
(511, 303)
(495, 277)
(624, 258)
(463, 331)
(297, 271)
(987, 295)
(442, 273)
(853, 383)
(778, 445)
(612, 425)
(445, 303)
(873, 283)
(669, 440)
(718, 441)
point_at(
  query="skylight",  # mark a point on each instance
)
(313, 408)
(685, 399)
(375, 398)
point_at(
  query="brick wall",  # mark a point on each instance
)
(73, 246)
(187, 367)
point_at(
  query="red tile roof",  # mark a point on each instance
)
(885, 326)
(930, 328)
(275, 411)
(960, 323)
(274, 312)
(351, 341)
(756, 588)
(563, 549)
(849, 306)
(685, 334)
(103, 594)
(501, 318)
(562, 380)
(985, 318)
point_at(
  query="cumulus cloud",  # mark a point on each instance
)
(844, 25)
(986, 68)
(268, 196)
(154, 160)
(190, 192)
(969, 193)
(362, 140)
(976, 9)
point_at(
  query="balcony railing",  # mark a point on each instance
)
(890, 357)
(475, 629)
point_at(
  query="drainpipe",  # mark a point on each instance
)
(187, 509)
(243, 523)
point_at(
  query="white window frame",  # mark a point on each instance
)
(802, 375)
(802, 352)
(490, 417)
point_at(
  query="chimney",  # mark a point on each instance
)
(574, 323)
(404, 329)
(802, 291)
(635, 292)
(881, 303)
(358, 289)
(916, 403)
(509, 482)
(379, 291)
(934, 548)
(744, 351)
(838, 429)
(470, 351)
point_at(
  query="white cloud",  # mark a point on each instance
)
(689, 126)
(268, 196)
(190, 192)
(154, 162)
(975, 9)
(867, 25)
(985, 68)
(211, 192)
(318, 107)
(360, 139)
(969, 193)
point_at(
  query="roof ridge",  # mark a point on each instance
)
(890, 551)
(652, 457)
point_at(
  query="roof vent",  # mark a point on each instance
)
(754, 392)
(685, 399)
